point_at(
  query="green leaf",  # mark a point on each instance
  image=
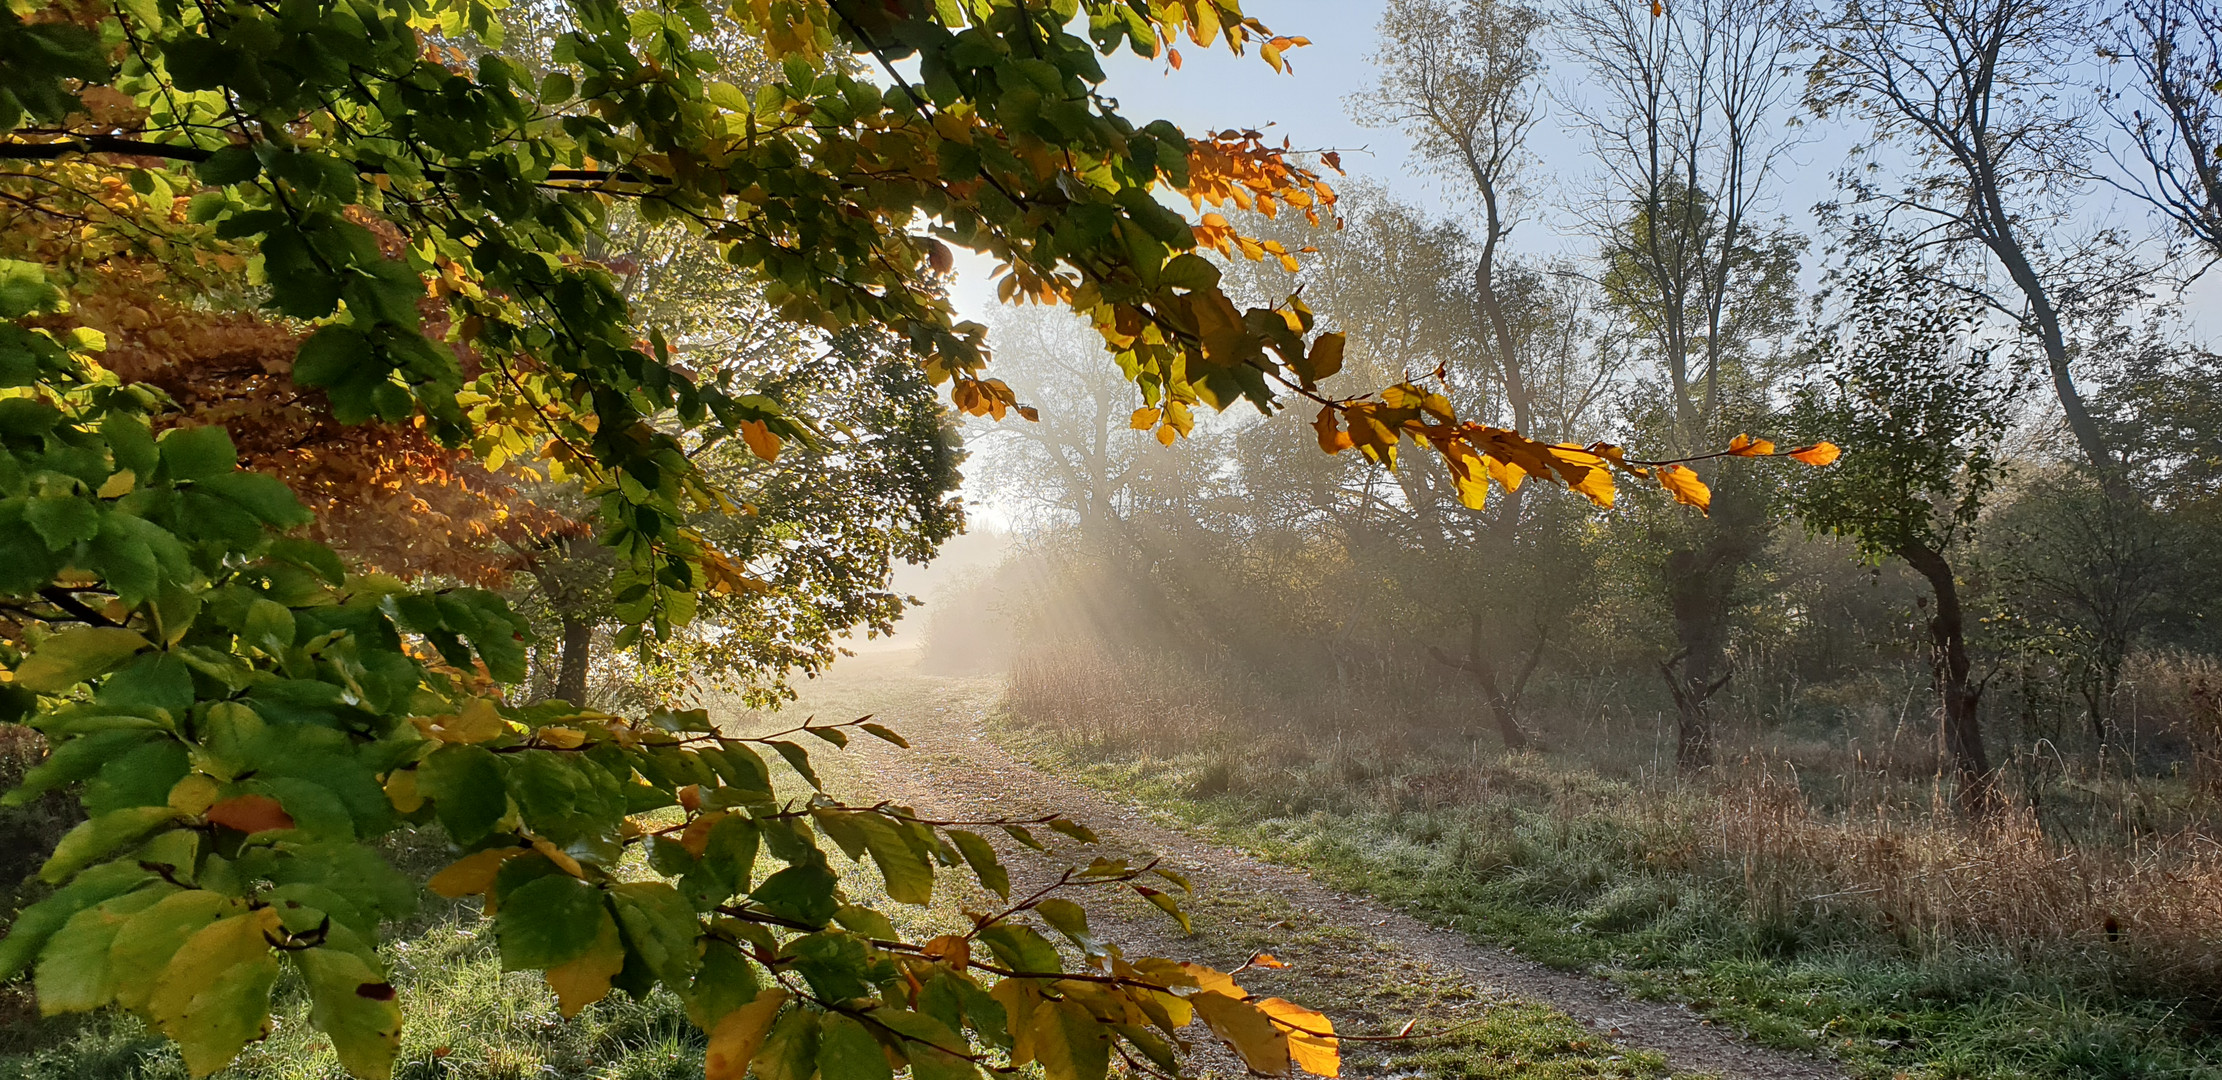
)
(725, 981)
(1073, 829)
(197, 453)
(857, 918)
(546, 922)
(102, 836)
(982, 858)
(791, 1053)
(75, 655)
(1190, 271)
(800, 759)
(130, 442)
(353, 1004)
(62, 520)
(231, 165)
(930, 1044)
(802, 893)
(465, 785)
(910, 878)
(661, 926)
(264, 496)
(41, 921)
(1069, 919)
(846, 1051)
(269, 627)
(1021, 949)
(74, 974)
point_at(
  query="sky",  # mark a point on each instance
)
(1215, 90)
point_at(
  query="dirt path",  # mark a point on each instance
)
(957, 770)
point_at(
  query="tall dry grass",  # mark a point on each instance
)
(2096, 864)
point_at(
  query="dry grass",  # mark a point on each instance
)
(2096, 867)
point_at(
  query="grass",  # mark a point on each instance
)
(1959, 955)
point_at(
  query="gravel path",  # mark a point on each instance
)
(956, 770)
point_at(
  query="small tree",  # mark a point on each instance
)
(1912, 394)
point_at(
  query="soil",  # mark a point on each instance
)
(957, 770)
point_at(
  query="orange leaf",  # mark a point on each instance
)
(250, 814)
(1331, 437)
(760, 439)
(1820, 453)
(1746, 446)
(1685, 485)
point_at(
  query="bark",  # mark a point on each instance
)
(1963, 727)
(578, 647)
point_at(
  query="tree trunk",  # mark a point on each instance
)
(1504, 708)
(578, 646)
(1963, 726)
(1701, 593)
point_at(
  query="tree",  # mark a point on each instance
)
(1686, 128)
(1920, 407)
(1975, 89)
(2175, 49)
(1460, 79)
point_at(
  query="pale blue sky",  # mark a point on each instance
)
(1215, 89)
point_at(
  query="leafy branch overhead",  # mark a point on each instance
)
(424, 210)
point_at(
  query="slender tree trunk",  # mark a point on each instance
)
(578, 646)
(1503, 707)
(1963, 725)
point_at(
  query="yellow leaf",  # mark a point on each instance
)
(1820, 453)
(470, 875)
(559, 857)
(1594, 484)
(213, 998)
(1166, 435)
(586, 980)
(562, 738)
(401, 791)
(194, 794)
(1263, 1046)
(1209, 980)
(737, 1037)
(1685, 485)
(477, 722)
(118, 485)
(1143, 419)
(1311, 1036)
